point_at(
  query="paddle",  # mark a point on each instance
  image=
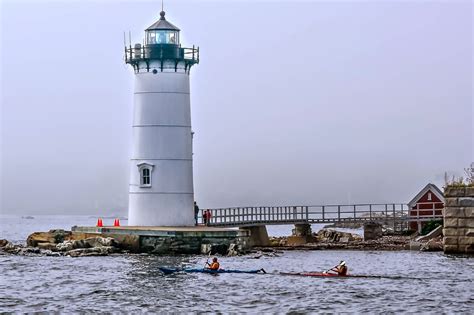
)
(207, 260)
(331, 269)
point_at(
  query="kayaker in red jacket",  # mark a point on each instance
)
(341, 269)
(214, 265)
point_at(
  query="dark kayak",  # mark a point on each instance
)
(168, 271)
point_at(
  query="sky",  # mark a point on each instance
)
(293, 102)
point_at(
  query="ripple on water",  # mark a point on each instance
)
(428, 282)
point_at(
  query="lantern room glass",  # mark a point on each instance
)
(162, 37)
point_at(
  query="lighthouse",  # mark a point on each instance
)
(161, 165)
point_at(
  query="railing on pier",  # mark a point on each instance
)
(247, 216)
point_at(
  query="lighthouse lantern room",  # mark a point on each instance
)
(161, 169)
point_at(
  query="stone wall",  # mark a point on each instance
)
(156, 240)
(459, 220)
(185, 245)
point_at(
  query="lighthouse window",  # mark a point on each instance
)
(162, 37)
(144, 169)
(151, 38)
(146, 177)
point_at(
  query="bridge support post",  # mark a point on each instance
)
(258, 235)
(459, 219)
(302, 234)
(372, 231)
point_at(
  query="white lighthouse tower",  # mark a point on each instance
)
(161, 169)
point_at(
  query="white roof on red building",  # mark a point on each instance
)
(430, 187)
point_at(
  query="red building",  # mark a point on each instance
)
(427, 205)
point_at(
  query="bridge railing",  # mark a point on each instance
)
(238, 215)
(307, 214)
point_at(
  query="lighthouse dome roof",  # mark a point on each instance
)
(162, 24)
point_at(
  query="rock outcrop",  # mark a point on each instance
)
(52, 237)
(91, 251)
(433, 245)
(372, 231)
(16, 249)
(3, 243)
(86, 243)
(91, 242)
(332, 239)
(333, 236)
(233, 250)
(50, 244)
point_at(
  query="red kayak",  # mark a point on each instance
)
(322, 274)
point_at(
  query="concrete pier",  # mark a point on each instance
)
(302, 234)
(258, 235)
(168, 240)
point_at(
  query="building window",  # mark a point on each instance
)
(144, 170)
(429, 196)
(146, 176)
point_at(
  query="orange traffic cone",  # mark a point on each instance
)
(116, 222)
(99, 223)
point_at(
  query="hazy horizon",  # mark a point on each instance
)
(308, 102)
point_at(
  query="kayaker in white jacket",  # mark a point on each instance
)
(341, 269)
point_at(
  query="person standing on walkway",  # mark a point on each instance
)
(196, 212)
(204, 217)
(208, 217)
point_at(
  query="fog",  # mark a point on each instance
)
(292, 103)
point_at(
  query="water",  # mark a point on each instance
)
(416, 282)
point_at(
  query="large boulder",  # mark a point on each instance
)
(93, 251)
(333, 236)
(65, 246)
(47, 246)
(11, 248)
(53, 236)
(233, 250)
(433, 245)
(91, 242)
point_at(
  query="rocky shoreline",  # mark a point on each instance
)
(62, 243)
(58, 246)
(384, 243)
(332, 239)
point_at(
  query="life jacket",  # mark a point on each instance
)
(214, 266)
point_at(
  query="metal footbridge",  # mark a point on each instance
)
(389, 213)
